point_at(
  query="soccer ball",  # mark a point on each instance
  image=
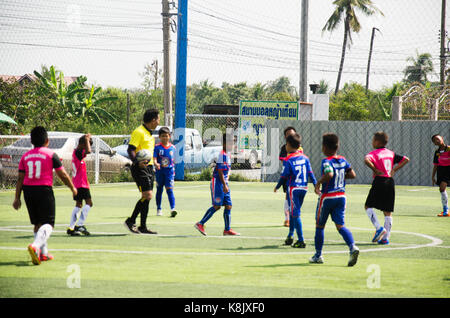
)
(144, 155)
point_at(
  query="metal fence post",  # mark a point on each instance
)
(397, 108)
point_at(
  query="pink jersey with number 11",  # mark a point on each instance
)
(38, 165)
(384, 159)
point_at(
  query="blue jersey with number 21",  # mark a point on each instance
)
(297, 170)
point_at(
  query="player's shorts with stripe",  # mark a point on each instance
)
(296, 196)
(82, 194)
(443, 174)
(331, 204)
(382, 194)
(218, 197)
(40, 202)
(144, 177)
(165, 178)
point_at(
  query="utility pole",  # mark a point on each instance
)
(303, 88)
(168, 120)
(370, 58)
(443, 53)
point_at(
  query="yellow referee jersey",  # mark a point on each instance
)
(142, 138)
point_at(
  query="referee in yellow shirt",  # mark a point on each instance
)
(142, 172)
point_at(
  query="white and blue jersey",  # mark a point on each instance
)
(333, 200)
(223, 164)
(166, 174)
(296, 173)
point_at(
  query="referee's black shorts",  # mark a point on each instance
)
(40, 202)
(443, 174)
(382, 194)
(144, 177)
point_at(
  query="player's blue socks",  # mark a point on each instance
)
(227, 219)
(347, 236)
(171, 197)
(318, 240)
(291, 227)
(208, 215)
(159, 192)
(297, 224)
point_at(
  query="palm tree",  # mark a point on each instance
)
(418, 71)
(345, 9)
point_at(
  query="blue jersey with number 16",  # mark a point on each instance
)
(339, 166)
(297, 170)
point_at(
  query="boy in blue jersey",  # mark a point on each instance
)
(296, 172)
(334, 170)
(220, 192)
(165, 172)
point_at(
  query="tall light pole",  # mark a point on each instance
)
(443, 53)
(167, 82)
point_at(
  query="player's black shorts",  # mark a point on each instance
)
(40, 202)
(144, 177)
(443, 174)
(382, 194)
(82, 194)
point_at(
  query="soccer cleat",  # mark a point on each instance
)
(383, 242)
(231, 233)
(34, 253)
(145, 230)
(289, 240)
(316, 259)
(200, 228)
(299, 244)
(159, 212)
(378, 234)
(44, 258)
(131, 226)
(82, 229)
(173, 214)
(443, 214)
(353, 256)
(73, 232)
(286, 223)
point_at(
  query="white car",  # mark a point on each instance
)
(63, 144)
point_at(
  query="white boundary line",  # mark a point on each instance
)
(434, 243)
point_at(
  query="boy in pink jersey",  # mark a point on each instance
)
(441, 166)
(80, 181)
(35, 178)
(384, 163)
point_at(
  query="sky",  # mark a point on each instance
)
(111, 41)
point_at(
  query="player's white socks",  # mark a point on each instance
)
(388, 227)
(84, 214)
(286, 210)
(444, 200)
(73, 218)
(42, 235)
(373, 217)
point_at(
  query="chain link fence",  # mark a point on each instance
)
(426, 103)
(408, 138)
(107, 162)
(204, 140)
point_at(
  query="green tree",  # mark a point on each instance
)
(421, 66)
(345, 10)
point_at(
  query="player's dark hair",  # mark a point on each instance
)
(435, 135)
(150, 114)
(224, 139)
(330, 141)
(38, 136)
(294, 140)
(382, 137)
(82, 140)
(163, 130)
(287, 129)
